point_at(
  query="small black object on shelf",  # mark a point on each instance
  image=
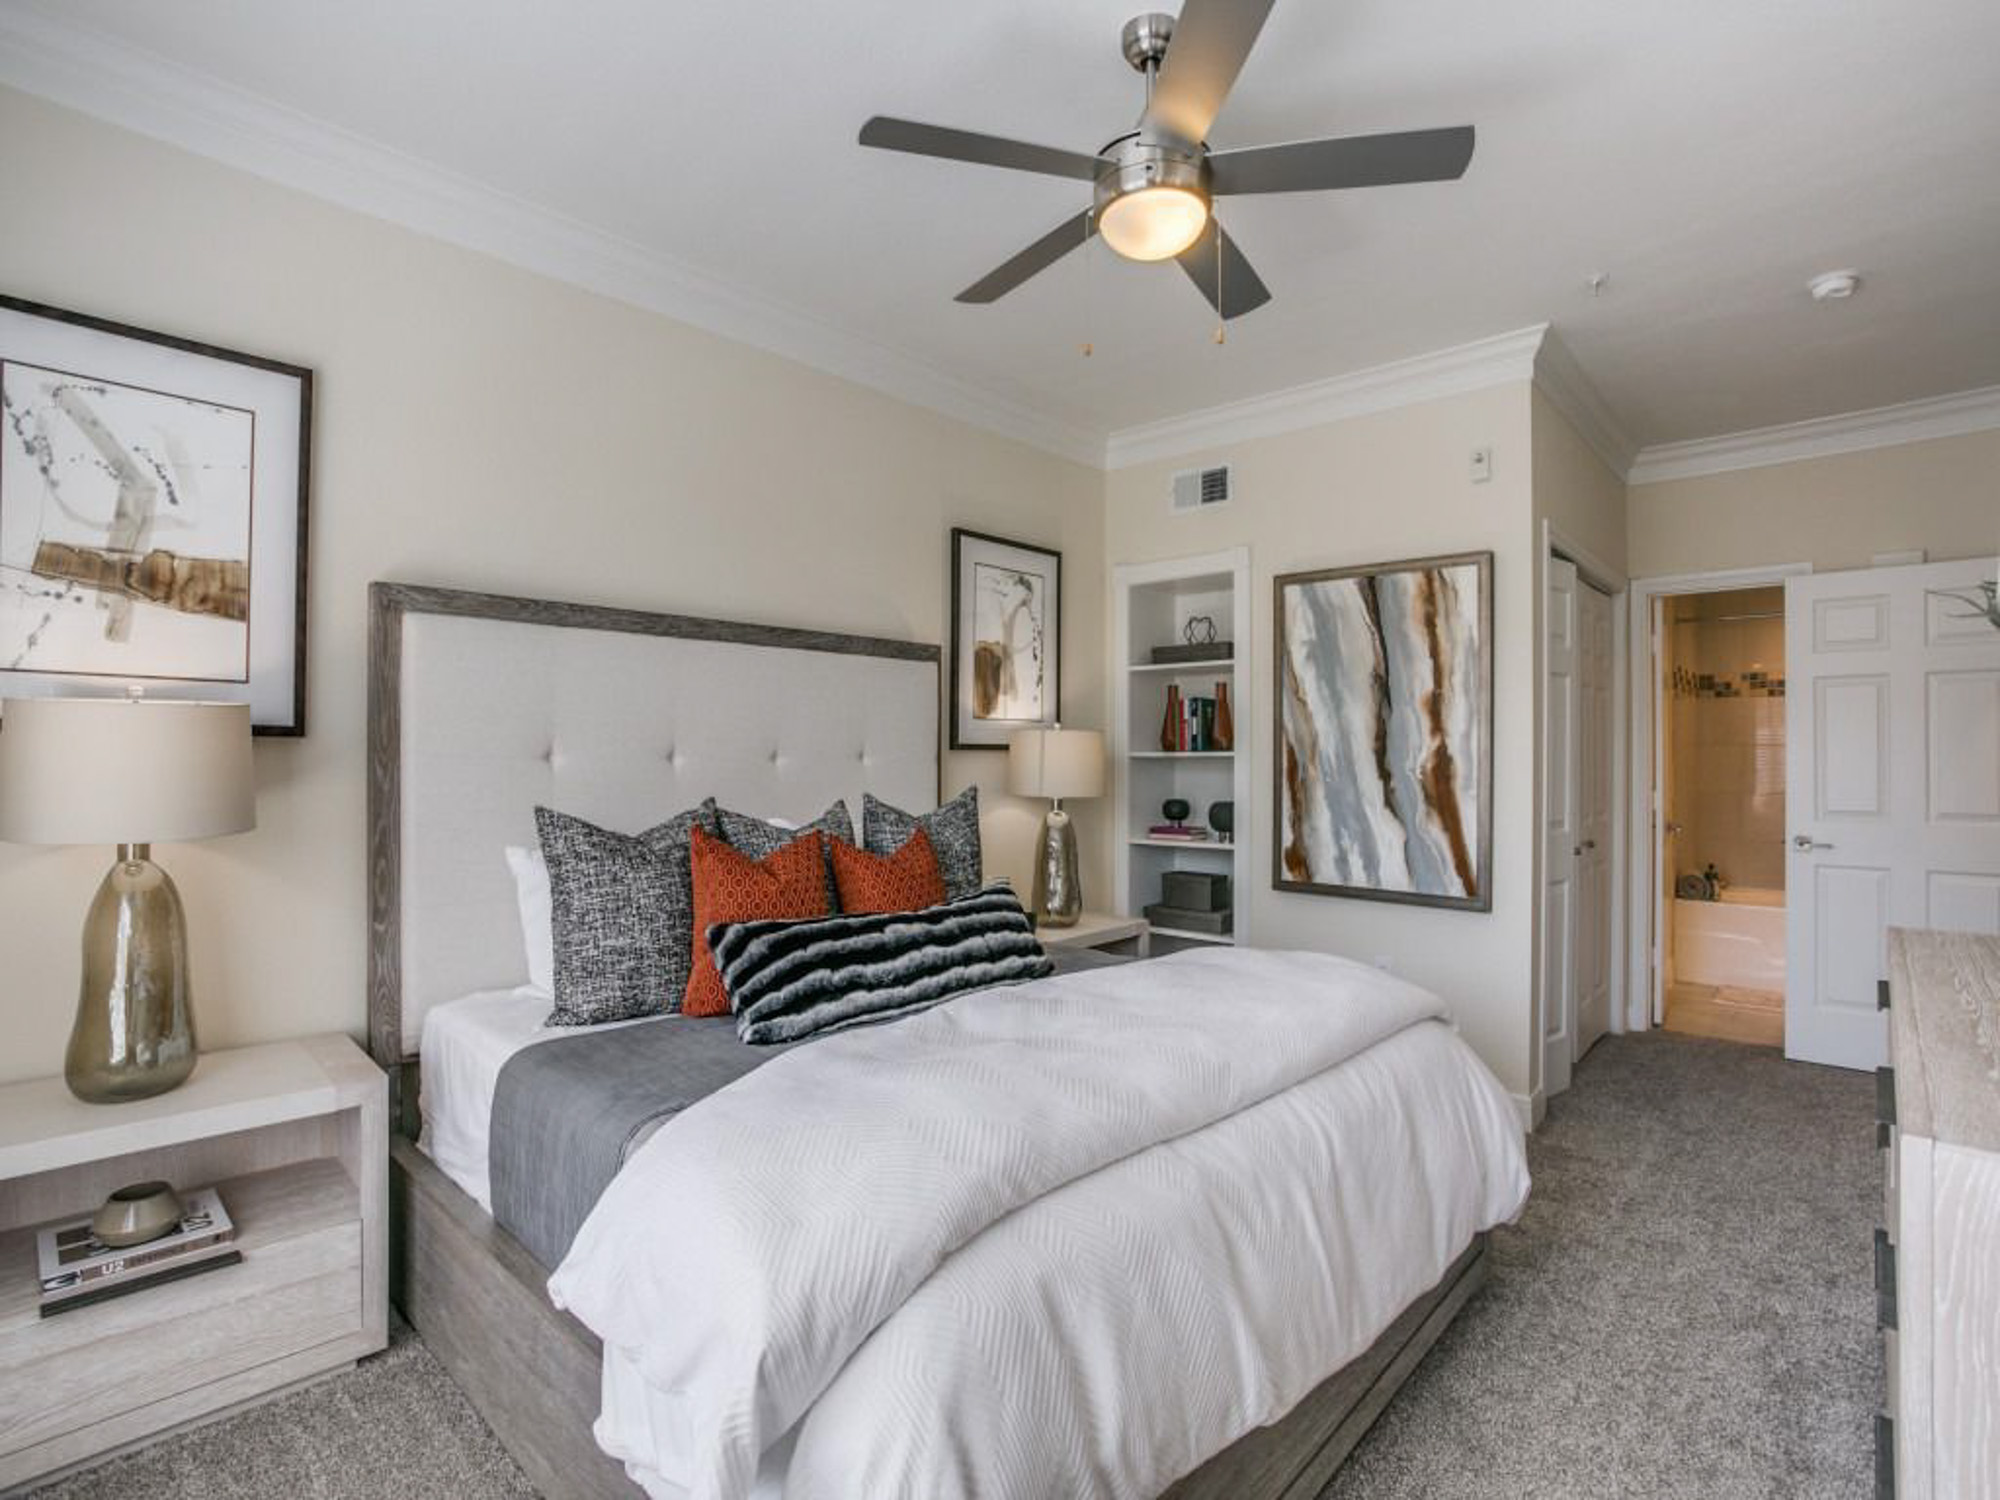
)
(1222, 818)
(1176, 810)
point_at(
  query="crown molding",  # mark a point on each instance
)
(72, 66)
(1561, 379)
(1821, 437)
(1426, 377)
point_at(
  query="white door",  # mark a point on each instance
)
(1892, 770)
(1593, 816)
(1560, 837)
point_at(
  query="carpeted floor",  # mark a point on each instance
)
(1684, 1310)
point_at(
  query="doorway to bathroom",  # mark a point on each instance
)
(1720, 778)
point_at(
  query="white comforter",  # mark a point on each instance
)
(1070, 1238)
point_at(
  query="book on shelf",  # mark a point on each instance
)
(76, 1268)
(1183, 831)
(1194, 727)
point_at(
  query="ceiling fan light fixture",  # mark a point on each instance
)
(1153, 223)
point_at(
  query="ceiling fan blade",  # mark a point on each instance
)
(968, 145)
(1210, 41)
(1039, 256)
(1351, 162)
(1242, 290)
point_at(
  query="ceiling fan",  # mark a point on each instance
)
(1155, 186)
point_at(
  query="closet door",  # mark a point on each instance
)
(1594, 731)
(1561, 834)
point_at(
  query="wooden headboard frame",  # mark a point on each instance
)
(389, 604)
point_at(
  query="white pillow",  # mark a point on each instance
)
(531, 890)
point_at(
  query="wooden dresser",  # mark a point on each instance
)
(1937, 1260)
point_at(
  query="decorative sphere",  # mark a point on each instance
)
(1222, 817)
(1176, 809)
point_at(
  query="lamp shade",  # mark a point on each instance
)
(1055, 763)
(118, 771)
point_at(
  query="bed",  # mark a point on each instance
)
(483, 706)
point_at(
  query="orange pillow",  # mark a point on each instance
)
(908, 880)
(730, 886)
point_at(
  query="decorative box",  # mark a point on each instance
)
(1197, 890)
(1193, 655)
(1189, 919)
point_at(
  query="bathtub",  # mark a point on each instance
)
(1737, 941)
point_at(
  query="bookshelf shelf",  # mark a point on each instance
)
(1153, 605)
(1221, 939)
(1226, 666)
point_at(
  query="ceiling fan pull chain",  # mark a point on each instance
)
(1089, 289)
(1221, 318)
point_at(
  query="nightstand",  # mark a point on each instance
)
(1099, 929)
(294, 1135)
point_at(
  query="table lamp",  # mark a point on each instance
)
(1056, 763)
(133, 773)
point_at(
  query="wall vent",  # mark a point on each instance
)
(1197, 489)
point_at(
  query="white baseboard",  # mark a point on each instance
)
(1532, 1108)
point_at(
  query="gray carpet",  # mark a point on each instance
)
(1686, 1307)
(1684, 1310)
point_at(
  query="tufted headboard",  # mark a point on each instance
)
(480, 707)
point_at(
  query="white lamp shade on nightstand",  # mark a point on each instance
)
(1056, 763)
(123, 771)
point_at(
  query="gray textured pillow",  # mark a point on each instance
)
(621, 910)
(954, 831)
(756, 837)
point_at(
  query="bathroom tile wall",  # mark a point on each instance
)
(1729, 737)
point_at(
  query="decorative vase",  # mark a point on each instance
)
(1225, 722)
(1170, 726)
(1222, 818)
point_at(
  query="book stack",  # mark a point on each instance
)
(78, 1269)
(1197, 726)
(1183, 831)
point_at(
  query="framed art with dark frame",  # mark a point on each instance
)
(1384, 732)
(154, 503)
(1006, 639)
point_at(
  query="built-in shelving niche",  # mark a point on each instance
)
(1153, 603)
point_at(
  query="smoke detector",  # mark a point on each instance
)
(1834, 286)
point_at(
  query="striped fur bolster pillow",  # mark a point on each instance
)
(793, 979)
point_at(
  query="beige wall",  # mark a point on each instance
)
(483, 427)
(1574, 491)
(1942, 495)
(1375, 489)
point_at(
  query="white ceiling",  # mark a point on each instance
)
(1707, 156)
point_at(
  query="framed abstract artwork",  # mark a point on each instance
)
(1006, 639)
(1384, 708)
(153, 516)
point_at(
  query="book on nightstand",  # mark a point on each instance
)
(78, 1269)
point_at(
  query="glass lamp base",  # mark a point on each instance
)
(1058, 887)
(134, 1032)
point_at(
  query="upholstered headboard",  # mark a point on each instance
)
(480, 707)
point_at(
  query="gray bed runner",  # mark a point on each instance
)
(568, 1112)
